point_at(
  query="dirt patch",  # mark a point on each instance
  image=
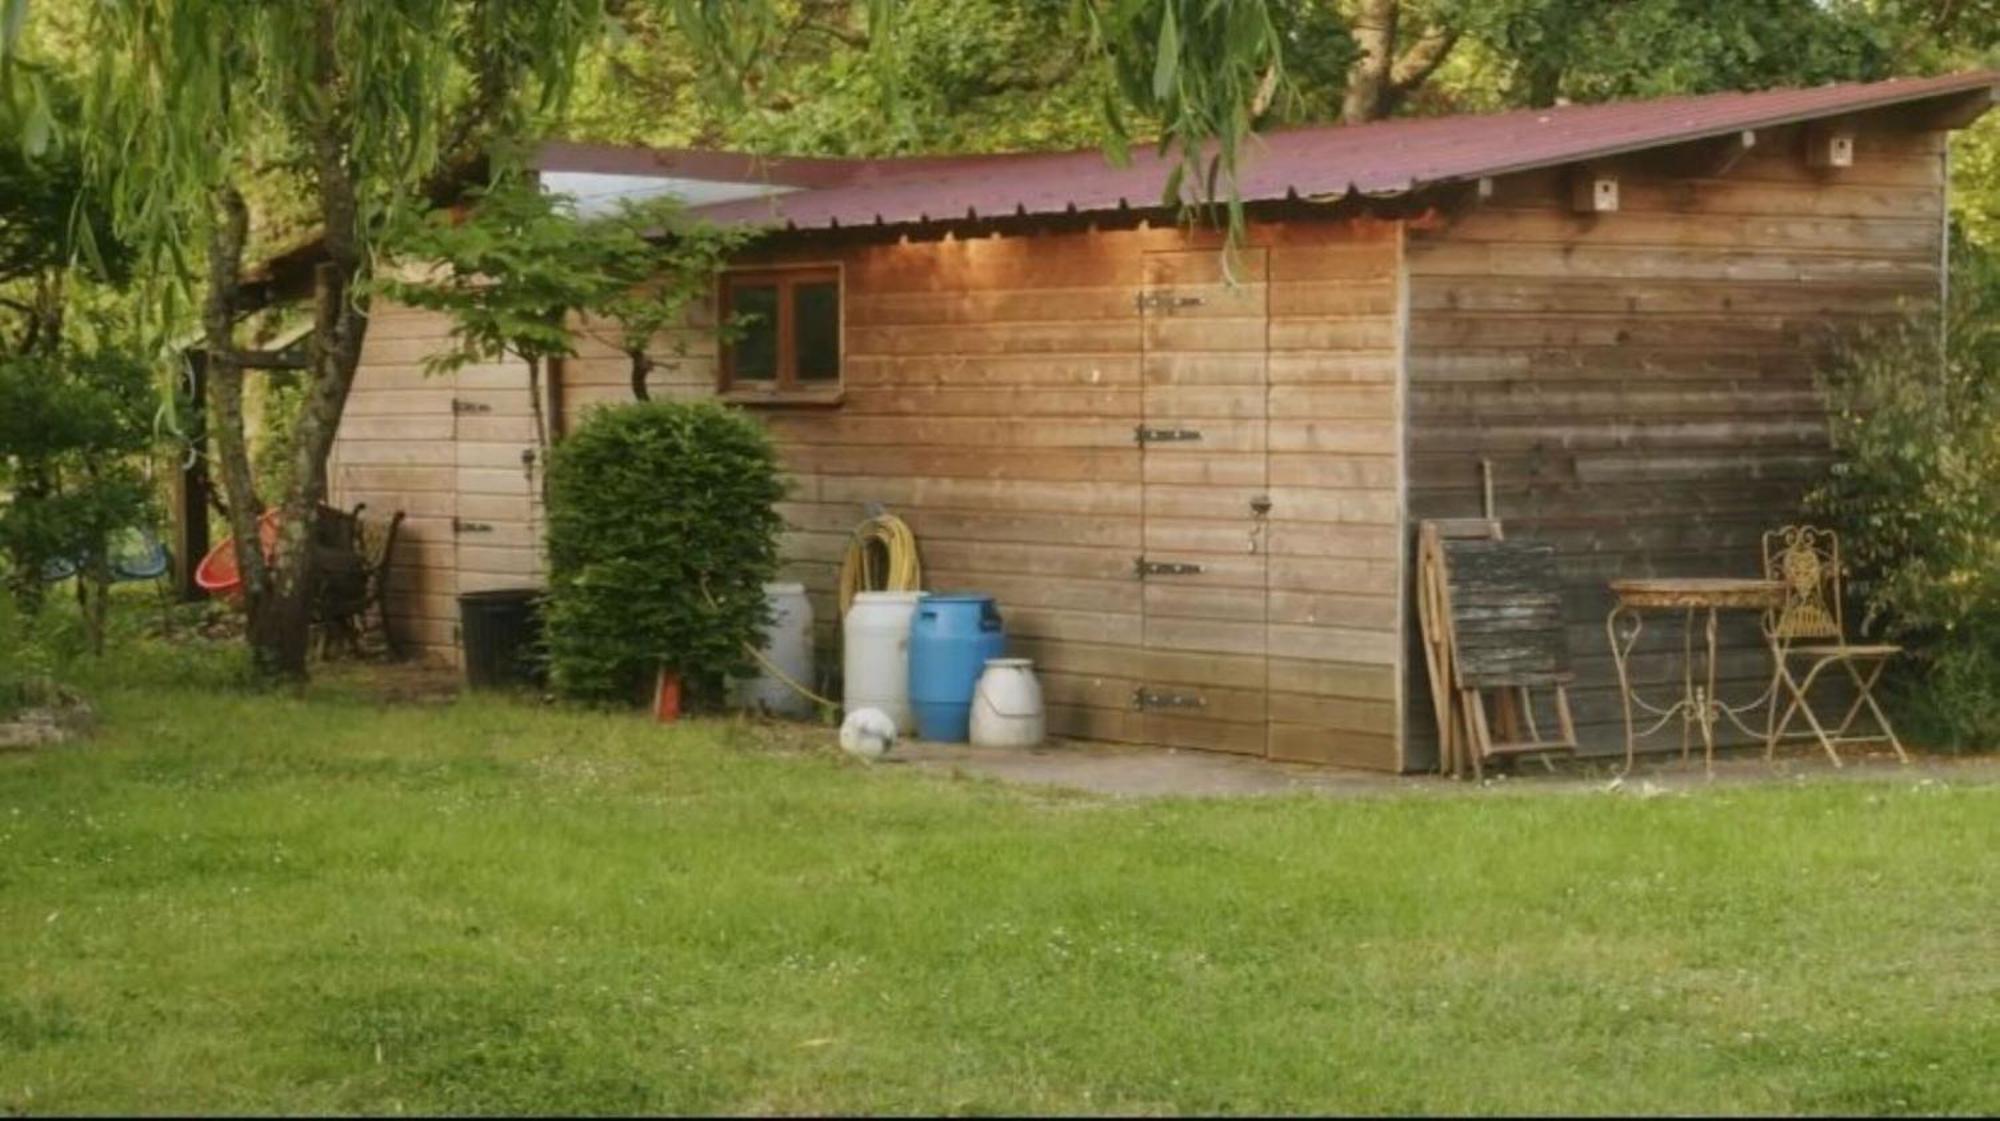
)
(1140, 772)
(385, 682)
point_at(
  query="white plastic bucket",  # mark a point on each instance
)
(875, 655)
(1007, 705)
(788, 646)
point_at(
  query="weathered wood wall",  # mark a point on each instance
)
(1641, 380)
(446, 450)
(992, 388)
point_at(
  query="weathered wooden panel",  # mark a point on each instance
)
(1506, 613)
(395, 452)
(1640, 381)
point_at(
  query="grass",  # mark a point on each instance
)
(239, 903)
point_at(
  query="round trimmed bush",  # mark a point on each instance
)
(662, 533)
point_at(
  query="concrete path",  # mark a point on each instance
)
(1137, 772)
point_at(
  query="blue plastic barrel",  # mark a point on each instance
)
(950, 640)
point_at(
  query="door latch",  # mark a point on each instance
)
(461, 405)
(1164, 301)
(460, 526)
(1143, 697)
(1145, 435)
(1165, 568)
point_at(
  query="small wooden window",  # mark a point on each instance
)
(785, 340)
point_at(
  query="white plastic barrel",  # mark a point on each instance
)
(787, 645)
(875, 655)
(1007, 705)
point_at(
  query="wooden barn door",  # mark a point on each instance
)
(1205, 476)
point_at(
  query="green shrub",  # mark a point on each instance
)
(1915, 491)
(75, 423)
(661, 534)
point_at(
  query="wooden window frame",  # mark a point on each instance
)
(785, 388)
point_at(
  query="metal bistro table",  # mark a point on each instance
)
(1698, 706)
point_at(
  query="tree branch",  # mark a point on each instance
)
(227, 237)
(1422, 59)
(268, 360)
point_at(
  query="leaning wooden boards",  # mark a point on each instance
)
(1491, 614)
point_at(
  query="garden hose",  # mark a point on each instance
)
(896, 569)
(781, 675)
(787, 678)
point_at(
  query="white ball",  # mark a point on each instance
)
(867, 733)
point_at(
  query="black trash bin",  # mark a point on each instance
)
(499, 630)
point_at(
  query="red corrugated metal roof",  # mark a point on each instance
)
(1387, 157)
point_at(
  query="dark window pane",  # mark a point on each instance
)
(754, 353)
(816, 315)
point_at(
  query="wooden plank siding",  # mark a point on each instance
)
(1641, 380)
(992, 386)
(397, 451)
(446, 450)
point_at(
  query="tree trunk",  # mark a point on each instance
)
(24, 567)
(642, 369)
(1368, 79)
(93, 585)
(225, 406)
(340, 323)
(1380, 80)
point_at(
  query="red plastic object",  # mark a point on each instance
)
(217, 574)
(667, 697)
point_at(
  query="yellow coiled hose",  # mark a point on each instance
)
(881, 557)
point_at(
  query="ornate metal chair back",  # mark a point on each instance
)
(374, 538)
(1806, 560)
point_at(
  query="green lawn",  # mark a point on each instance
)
(238, 903)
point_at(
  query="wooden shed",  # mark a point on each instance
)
(1192, 493)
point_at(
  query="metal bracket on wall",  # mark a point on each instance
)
(1164, 568)
(461, 405)
(1143, 697)
(1161, 300)
(1145, 435)
(461, 526)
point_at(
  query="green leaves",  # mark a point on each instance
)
(1167, 59)
(662, 531)
(1196, 69)
(73, 422)
(517, 270)
(1914, 419)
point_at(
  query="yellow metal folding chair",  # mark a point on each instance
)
(1807, 632)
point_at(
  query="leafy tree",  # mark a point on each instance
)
(1536, 52)
(74, 422)
(53, 237)
(518, 271)
(366, 110)
(75, 406)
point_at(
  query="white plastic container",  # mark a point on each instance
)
(1007, 705)
(787, 645)
(875, 655)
